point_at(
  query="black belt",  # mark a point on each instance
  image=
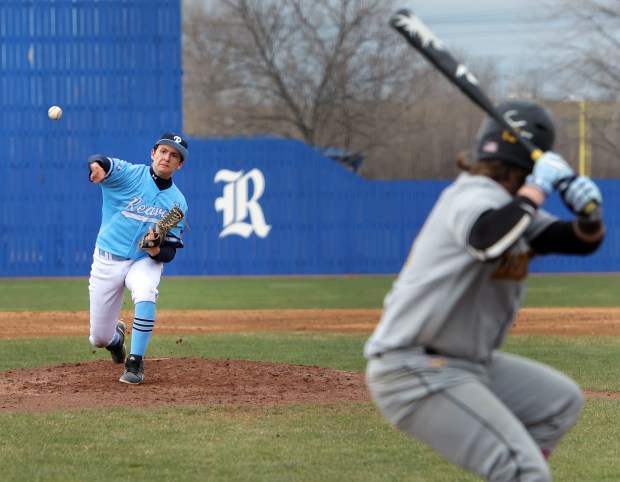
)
(427, 350)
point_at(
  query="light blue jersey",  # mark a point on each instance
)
(132, 202)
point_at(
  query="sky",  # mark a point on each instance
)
(522, 36)
(507, 31)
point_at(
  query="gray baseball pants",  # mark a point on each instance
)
(493, 419)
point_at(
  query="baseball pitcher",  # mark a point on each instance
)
(141, 228)
(433, 366)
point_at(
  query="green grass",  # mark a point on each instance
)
(591, 361)
(288, 292)
(337, 442)
(342, 441)
(343, 352)
(573, 290)
(208, 293)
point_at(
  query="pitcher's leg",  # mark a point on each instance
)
(142, 280)
(143, 324)
(106, 288)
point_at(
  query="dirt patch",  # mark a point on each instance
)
(189, 381)
(75, 323)
(176, 381)
(568, 321)
(536, 321)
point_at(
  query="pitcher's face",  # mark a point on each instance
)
(166, 160)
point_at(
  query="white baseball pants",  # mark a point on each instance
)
(108, 279)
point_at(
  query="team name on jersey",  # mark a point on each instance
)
(512, 266)
(135, 205)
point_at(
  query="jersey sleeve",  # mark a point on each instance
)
(496, 230)
(485, 219)
(468, 206)
(122, 173)
(541, 221)
(104, 161)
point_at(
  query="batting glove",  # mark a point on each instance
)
(548, 171)
(580, 194)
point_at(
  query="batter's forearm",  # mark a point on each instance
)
(535, 195)
(564, 237)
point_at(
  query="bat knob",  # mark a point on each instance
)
(590, 210)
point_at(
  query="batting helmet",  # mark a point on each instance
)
(532, 121)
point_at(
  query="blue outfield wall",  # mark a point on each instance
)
(257, 207)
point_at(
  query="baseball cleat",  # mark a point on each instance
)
(118, 352)
(134, 370)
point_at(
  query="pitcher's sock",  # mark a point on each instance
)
(143, 324)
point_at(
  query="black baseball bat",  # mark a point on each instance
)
(433, 49)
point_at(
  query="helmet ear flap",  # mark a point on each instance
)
(535, 122)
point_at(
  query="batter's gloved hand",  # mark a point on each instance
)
(548, 171)
(165, 224)
(582, 196)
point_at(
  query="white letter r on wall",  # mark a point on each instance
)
(236, 206)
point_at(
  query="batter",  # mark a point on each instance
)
(433, 366)
(135, 197)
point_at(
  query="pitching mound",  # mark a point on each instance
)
(178, 381)
(189, 381)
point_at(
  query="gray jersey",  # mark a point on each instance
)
(445, 297)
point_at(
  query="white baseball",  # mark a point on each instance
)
(54, 112)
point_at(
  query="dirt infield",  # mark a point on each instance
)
(190, 381)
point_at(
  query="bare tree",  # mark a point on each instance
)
(292, 65)
(329, 72)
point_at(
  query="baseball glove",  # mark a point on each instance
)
(163, 226)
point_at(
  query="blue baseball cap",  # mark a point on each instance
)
(174, 140)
